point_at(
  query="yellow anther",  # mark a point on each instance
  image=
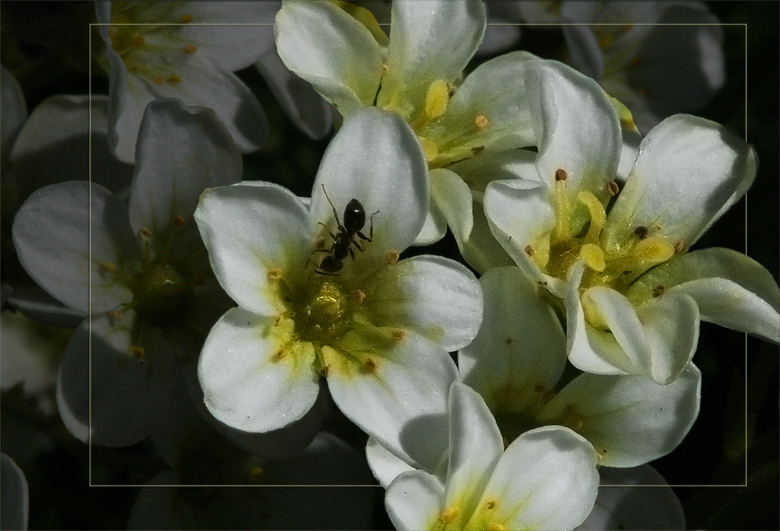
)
(116, 314)
(189, 48)
(480, 121)
(529, 250)
(138, 40)
(179, 221)
(605, 41)
(495, 526)
(137, 352)
(275, 273)
(613, 188)
(593, 257)
(437, 98)
(491, 504)
(658, 290)
(448, 515)
(146, 234)
(186, 18)
(158, 80)
(598, 216)
(392, 257)
(369, 366)
(430, 149)
(255, 475)
(108, 267)
(398, 334)
(358, 296)
(174, 79)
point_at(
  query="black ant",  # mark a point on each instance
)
(344, 240)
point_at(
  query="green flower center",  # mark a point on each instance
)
(161, 294)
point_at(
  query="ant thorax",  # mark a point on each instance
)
(347, 239)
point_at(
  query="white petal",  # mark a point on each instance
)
(475, 447)
(434, 296)
(434, 228)
(402, 400)
(430, 40)
(243, 384)
(305, 107)
(630, 420)
(671, 326)
(54, 146)
(626, 506)
(520, 351)
(30, 353)
(376, 159)
(249, 230)
(577, 129)
(15, 495)
(503, 29)
(481, 251)
(483, 115)
(14, 110)
(520, 215)
(413, 501)
(688, 173)
(108, 396)
(334, 52)
(731, 289)
(585, 52)
(51, 233)
(385, 465)
(453, 198)
(181, 151)
(157, 506)
(546, 479)
(232, 34)
(41, 307)
(199, 83)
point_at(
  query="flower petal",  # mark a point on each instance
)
(376, 159)
(15, 494)
(688, 173)
(401, 400)
(305, 107)
(475, 447)
(521, 217)
(730, 289)
(41, 307)
(181, 151)
(578, 132)
(434, 296)
(248, 230)
(586, 55)
(630, 420)
(51, 233)
(384, 464)
(434, 228)
(546, 479)
(14, 110)
(330, 49)
(430, 40)
(628, 505)
(520, 351)
(109, 396)
(413, 501)
(453, 198)
(244, 384)
(483, 116)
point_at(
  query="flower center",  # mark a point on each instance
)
(161, 293)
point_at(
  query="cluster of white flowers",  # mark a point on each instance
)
(223, 322)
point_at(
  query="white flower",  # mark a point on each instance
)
(657, 58)
(546, 479)
(187, 51)
(309, 306)
(15, 497)
(143, 276)
(516, 363)
(416, 73)
(633, 295)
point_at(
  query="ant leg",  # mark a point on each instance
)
(370, 237)
(327, 229)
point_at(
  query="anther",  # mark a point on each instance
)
(138, 41)
(679, 247)
(613, 188)
(449, 515)
(491, 505)
(358, 296)
(255, 474)
(560, 174)
(108, 267)
(186, 18)
(477, 149)
(137, 352)
(189, 48)
(658, 291)
(158, 80)
(146, 234)
(480, 121)
(179, 221)
(529, 250)
(278, 355)
(174, 79)
(641, 232)
(398, 334)
(116, 314)
(369, 366)
(392, 257)
(275, 273)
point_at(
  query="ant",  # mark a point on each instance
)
(344, 240)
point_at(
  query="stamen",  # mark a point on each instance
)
(108, 267)
(369, 366)
(613, 188)
(598, 216)
(392, 257)
(449, 515)
(658, 291)
(398, 334)
(437, 98)
(179, 221)
(560, 174)
(480, 121)
(358, 296)
(642, 232)
(186, 18)
(190, 48)
(529, 250)
(593, 257)
(491, 505)
(137, 352)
